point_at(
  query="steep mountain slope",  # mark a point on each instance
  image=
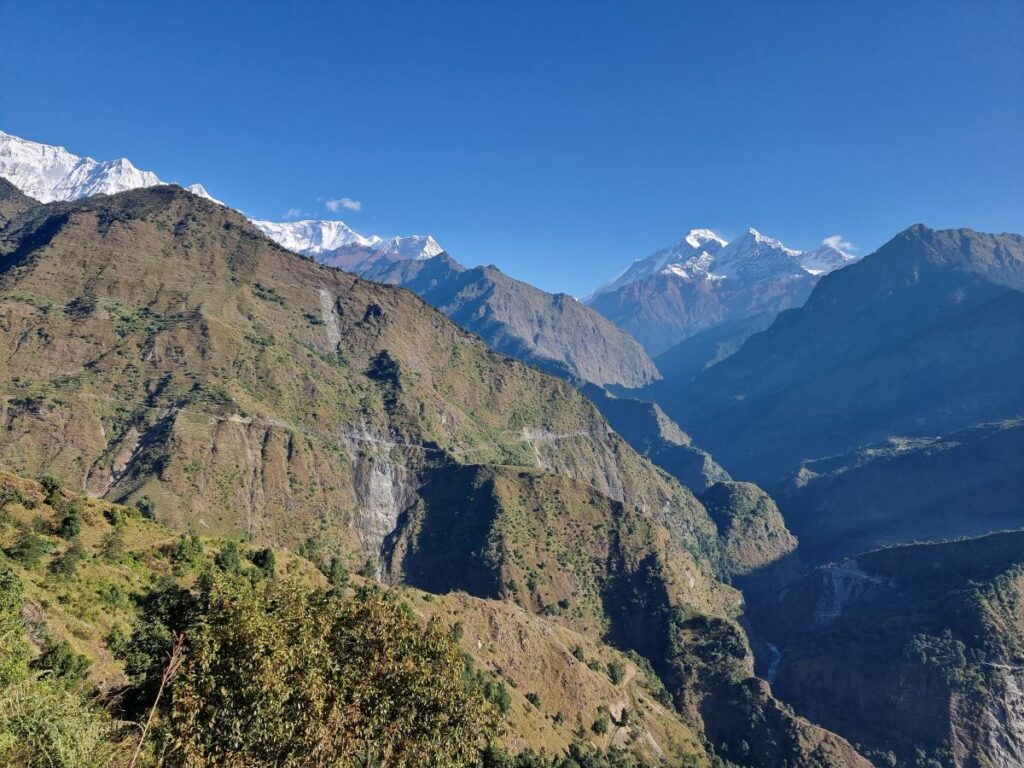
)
(675, 294)
(653, 434)
(12, 201)
(157, 344)
(47, 173)
(968, 483)
(221, 339)
(922, 337)
(750, 524)
(554, 332)
(911, 650)
(683, 362)
(92, 604)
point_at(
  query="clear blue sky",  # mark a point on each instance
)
(558, 140)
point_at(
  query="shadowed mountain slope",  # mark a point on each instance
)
(554, 332)
(915, 650)
(922, 337)
(968, 483)
(687, 359)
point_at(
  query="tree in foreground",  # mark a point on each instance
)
(277, 675)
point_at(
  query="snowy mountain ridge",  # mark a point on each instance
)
(321, 239)
(704, 255)
(50, 173)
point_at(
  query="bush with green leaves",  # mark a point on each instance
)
(189, 550)
(112, 546)
(277, 675)
(59, 659)
(495, 692)
(15, 655)
(44, 723)
(45, 720)
(337, 573)
(66, 563)
(70, 521)
(265, 560)
(51, 487)
(146, 507)
(229, 558)
(29, 547)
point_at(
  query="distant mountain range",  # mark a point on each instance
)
(48, 173)
(704, 281)
(333, 242)
(922, 337)
(698, 283)
(553, 332)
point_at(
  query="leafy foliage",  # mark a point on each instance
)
(276, 675)
(62, 661)
(29, 548)
(14, 659)
(46, 724)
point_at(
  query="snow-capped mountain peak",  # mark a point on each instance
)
(754, 239)
(697, 243)
(200, 190)
(702, 254)
(698, 238)
(322, 239)
(825, 259)
(756, 257)
(50, 173)
(312, 238)
(414, 247)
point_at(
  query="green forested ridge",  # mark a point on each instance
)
(199, 392)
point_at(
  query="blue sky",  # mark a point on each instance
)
(557, 140)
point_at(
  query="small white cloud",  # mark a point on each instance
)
(839, 243)
(344, 202)
(295, 213)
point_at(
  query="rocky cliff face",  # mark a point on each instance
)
(910, 648)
